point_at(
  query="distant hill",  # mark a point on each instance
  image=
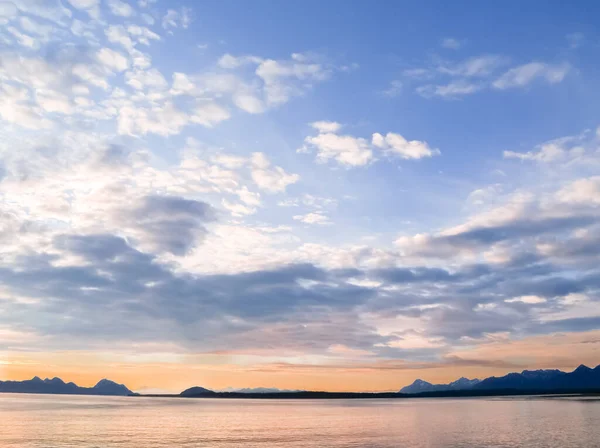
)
(582, 378)
(37, 385)
(197, 391)
(260, 390)
(420, 386)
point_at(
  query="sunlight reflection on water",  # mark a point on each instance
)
(28, 421)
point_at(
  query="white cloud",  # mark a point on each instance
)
(344, 149)
(52, 10)
(326, 126)
(146, 79)
(113, 60)
(142, 34)
(120, 8)
(248, 103)
(272, 179)
(92, 7)
(237, 209)
(394, 90)
(526, 299)
(315, 218)
(209, 114)
(452, 90)
(33, 27)
(176, 19)
(8, 9)
(396, 144)
(16, 107)
(229, 161)
(23, 39)
(451, 43)
(162, 120)
(229, 61)
(118, 34)
(480, 66)
(581, 191)
(248, 197)
(274, 81)
(52, 101)
(356, 151)
(550, 152)
(525, 74)
(91, 75)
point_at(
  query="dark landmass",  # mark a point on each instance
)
(57, 386)
(420, 386)
(581, 381)
(312, 395)
(582, 378)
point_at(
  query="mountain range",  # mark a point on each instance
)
(581, 378)
(55, 385)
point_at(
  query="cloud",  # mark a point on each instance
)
(480, 66)
(480, 73)
(272, 179)
(526, 299)
(356, 151)
(170, 224)
(394, 90)
(581, 191)
(398, 145)
(451, 43)
(326, 126)
(16, 107)
(176, 19)
(525, 74)
(452, 90)
(575, 40)
(120, 8)
(113, 60)
(344, 149)
(316, 218)
(92, 7)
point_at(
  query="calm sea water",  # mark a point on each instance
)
(28, 421)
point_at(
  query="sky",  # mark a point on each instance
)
(302, 195)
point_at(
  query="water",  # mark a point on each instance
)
(28, 421)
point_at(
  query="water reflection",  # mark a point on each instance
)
(28, 421)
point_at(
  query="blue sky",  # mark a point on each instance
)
(285, 186)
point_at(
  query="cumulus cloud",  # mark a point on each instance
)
(317, 218)
(398, 145)
(176, 18)
(120, 8)
(92, 7)
(356, 151)
(272, 179)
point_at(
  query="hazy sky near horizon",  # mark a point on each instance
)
(321, 195)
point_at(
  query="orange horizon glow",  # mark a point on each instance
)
(562, 351)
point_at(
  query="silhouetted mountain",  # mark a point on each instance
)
(57, 386)
(261, 390)
(581, 378)
(108, 387)
(196, 391)
(420, 386)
